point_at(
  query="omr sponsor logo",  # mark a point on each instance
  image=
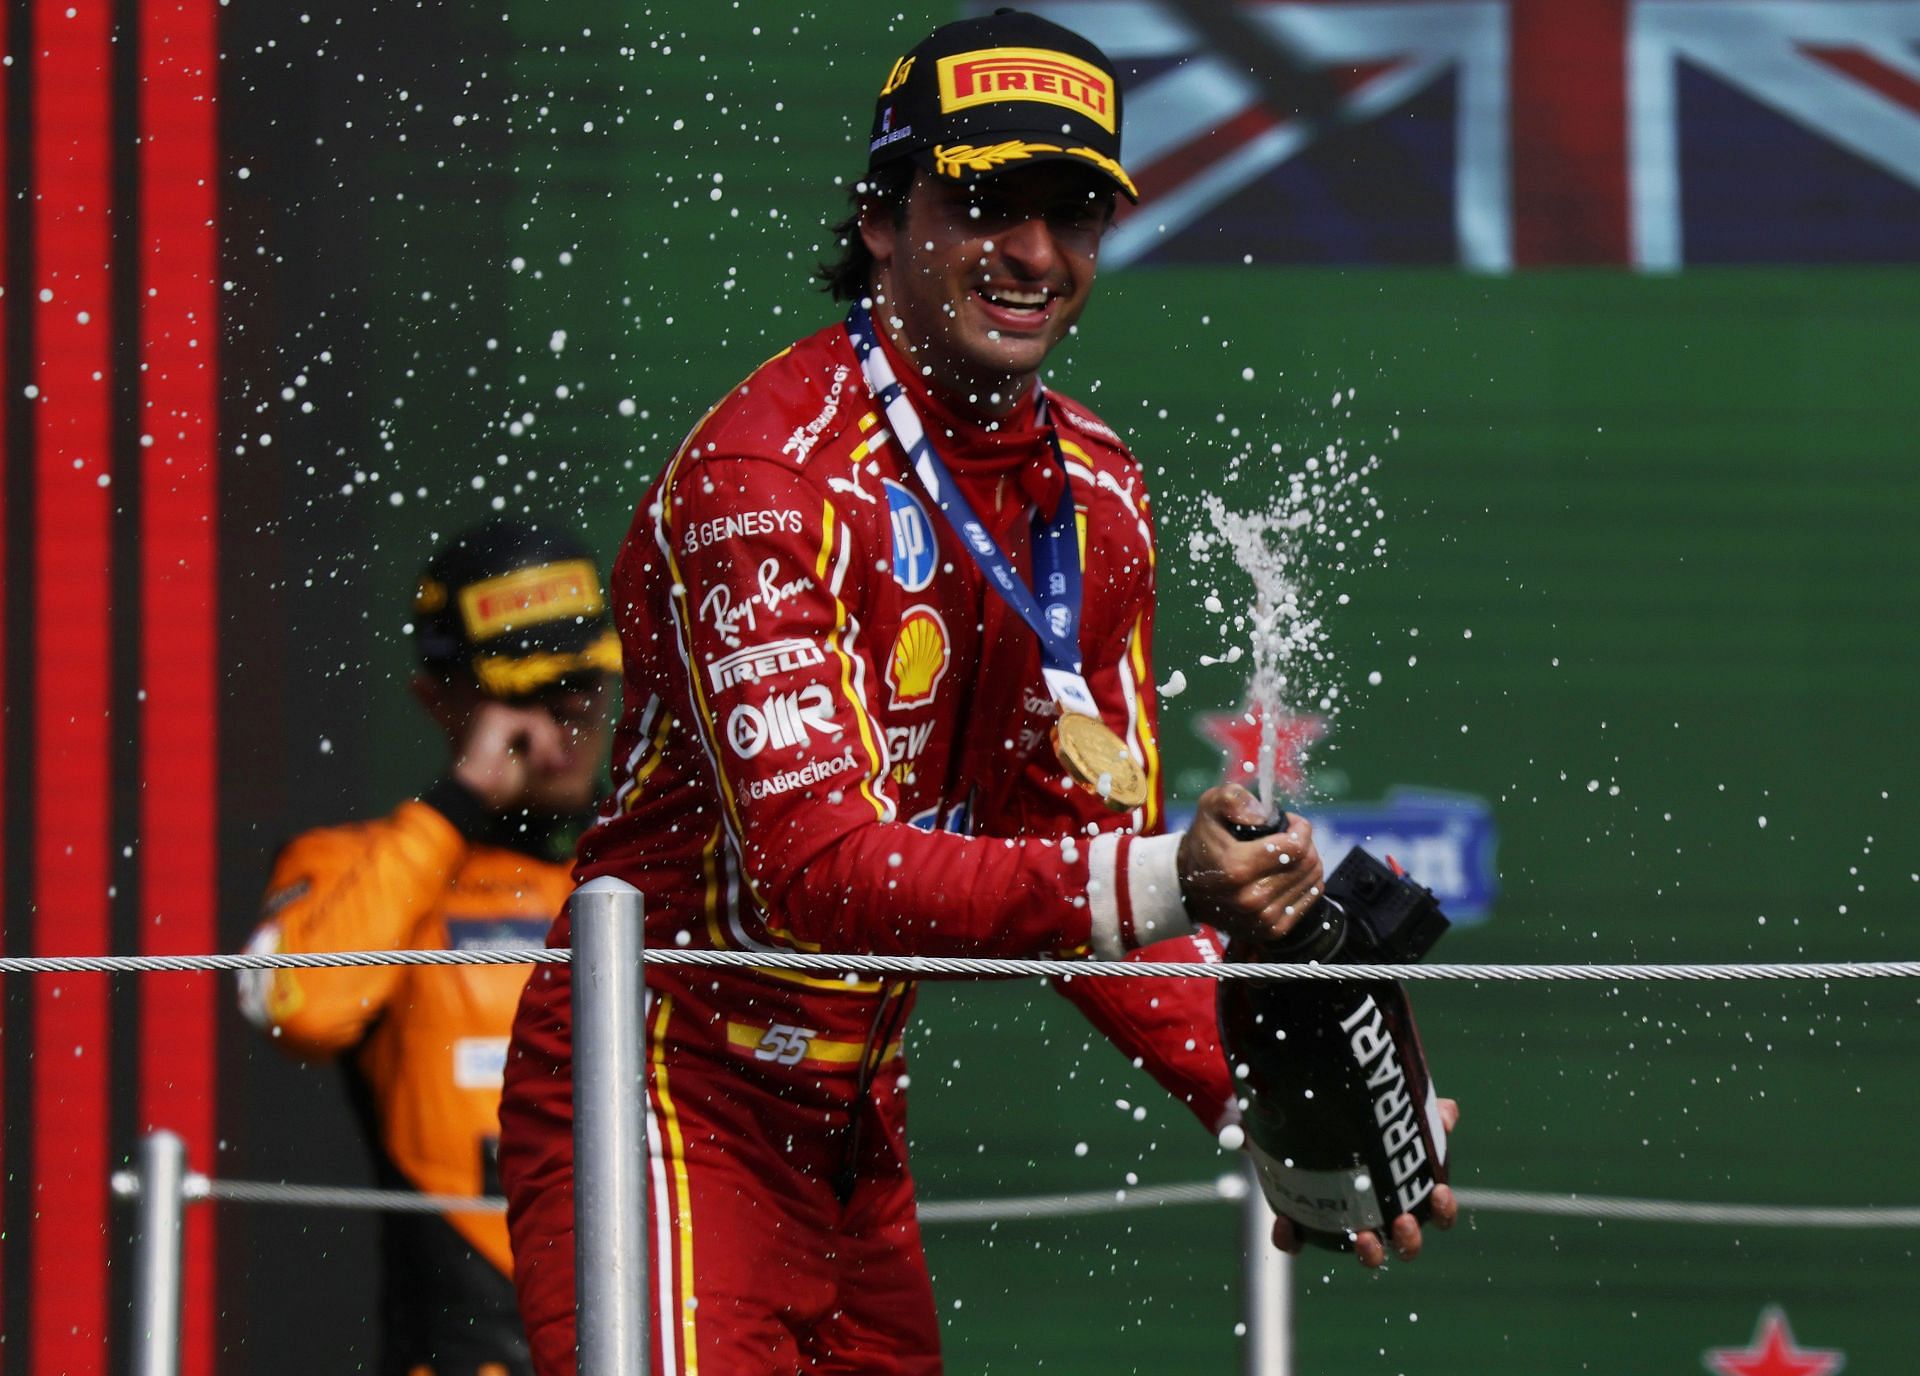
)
(759, 663)
(784, 721)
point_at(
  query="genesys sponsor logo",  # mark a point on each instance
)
(921, 652)
(762, 663)
(801, 442)
(728, 612)
(913, 548)
(738, 525)
(812, 772)
(905, 745)
(785, 721)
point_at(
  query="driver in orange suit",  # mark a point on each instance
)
(518, 658)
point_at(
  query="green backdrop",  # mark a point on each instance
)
(1644, 590)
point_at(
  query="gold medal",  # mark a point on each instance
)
(1099, 760)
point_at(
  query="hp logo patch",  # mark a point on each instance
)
(913, 547)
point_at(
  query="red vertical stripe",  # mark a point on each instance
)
(178, 664)
(1569, 121)
(72, 184)
(7, 305)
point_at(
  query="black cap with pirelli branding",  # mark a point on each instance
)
(519, 605)
(980, 96)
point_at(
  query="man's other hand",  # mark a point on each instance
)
(1404, 1234)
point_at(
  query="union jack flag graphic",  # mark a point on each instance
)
(1504, 134)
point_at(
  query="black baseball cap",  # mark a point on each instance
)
(519, 605)
(979, 96)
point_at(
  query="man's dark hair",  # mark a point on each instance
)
(846, 277)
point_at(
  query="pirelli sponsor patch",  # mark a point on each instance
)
(760, 663)
(1038, 75)
(530, 597)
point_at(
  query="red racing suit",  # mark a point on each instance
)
(836, 738)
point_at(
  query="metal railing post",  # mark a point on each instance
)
(1267, 1290)
(161, 1167)
(609, 1130)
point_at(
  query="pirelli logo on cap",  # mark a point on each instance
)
(530, 597)
(1032, 74)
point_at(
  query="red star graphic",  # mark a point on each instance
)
(1238, 733)
(1773, 1353)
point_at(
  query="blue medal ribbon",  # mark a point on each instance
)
(1054, 613)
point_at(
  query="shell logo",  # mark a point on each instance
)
(919, 658)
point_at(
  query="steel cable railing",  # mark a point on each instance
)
(607, 926)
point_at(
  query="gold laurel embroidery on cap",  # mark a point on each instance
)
(950, 160)
(1108, 166)
(506, 676)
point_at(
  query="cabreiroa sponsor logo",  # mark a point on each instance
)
(812, 772)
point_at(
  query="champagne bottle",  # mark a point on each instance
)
(1336, 1101)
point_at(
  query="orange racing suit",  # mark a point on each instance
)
(836, 737)
(423, 1045)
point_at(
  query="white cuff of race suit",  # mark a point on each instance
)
(1133, 891)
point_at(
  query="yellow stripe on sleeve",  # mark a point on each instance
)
(1143, 685)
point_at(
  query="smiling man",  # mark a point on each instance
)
(869, 709)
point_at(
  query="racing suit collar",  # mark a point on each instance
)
(1015, 447)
